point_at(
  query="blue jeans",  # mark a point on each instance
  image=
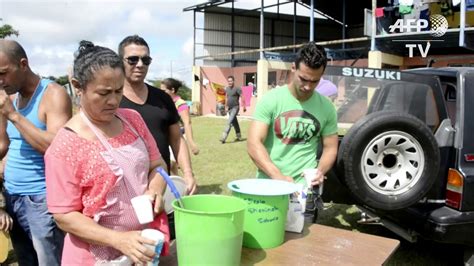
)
(232, 122)
(35, 237)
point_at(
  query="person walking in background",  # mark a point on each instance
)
(171, 86)
(233, 95)
(32, 110)
(290, 120)
(99, 161)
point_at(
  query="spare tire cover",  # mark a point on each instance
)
(391, 160)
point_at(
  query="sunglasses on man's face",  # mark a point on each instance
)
(133, 60)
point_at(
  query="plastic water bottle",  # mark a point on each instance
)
(159, 238)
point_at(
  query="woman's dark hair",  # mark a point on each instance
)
(90, 58)
(172, 84)
(312, 55)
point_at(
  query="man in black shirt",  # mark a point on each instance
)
(156, 107)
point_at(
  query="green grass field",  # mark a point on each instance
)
(217, 164)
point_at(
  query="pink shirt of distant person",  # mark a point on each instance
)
(327, 88)
(82, 180)
(180, 104)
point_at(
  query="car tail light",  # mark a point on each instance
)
(454, 188)
(469, 158)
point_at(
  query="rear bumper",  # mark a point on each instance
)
(438, 223)
(450, 226)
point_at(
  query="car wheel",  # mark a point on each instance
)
(390, 160)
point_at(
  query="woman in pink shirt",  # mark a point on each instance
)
(171, 86)
(103, 157)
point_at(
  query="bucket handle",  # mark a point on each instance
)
(235, 186)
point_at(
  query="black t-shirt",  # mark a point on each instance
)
(159, 114)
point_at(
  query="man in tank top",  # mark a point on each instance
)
(32, 110)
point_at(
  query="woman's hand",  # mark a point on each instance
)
(157, 198)
(131, 244)
(194, 148)
(190, 181)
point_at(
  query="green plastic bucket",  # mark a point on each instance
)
(209, 230)
(265, 216)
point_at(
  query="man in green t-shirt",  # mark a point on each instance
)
(289, 122)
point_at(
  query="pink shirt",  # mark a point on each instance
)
(78, 179)
(180, 104)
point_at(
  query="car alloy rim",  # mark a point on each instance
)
(392, 163)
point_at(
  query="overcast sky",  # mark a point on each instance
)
(50, 30)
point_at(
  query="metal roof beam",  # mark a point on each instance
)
(206, 5)
(323, 14)
(277, 4)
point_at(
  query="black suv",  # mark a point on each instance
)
(406, 155)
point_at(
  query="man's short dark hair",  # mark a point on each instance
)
(312, 55)
(132, 39)
(231, 77)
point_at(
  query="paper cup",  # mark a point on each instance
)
(309, 175)
(159, 239)
(143, 208)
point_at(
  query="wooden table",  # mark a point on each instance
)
(318, 245)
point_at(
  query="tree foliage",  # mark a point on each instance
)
(7, 30)
(61, 80)
(184, 92)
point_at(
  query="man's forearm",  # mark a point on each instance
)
(37, 138)
(328, 157)
(326, 162)
(262, 160)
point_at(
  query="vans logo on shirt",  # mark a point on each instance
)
(296, 127)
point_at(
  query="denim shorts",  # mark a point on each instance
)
(35, 237)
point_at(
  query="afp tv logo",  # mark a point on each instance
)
(439, 26)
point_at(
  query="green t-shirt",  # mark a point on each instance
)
(295, 129)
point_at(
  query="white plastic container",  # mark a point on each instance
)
(159, 239)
